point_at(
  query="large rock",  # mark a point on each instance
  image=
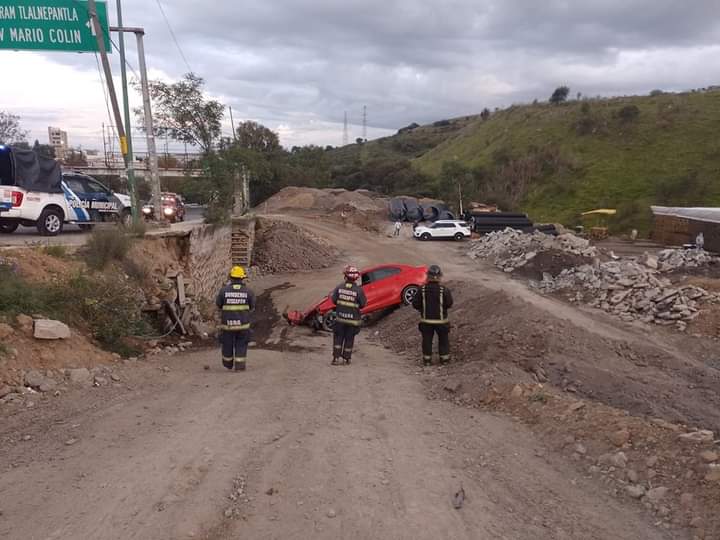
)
(701, 436)
(635, 491)
(49, 329)
(34, 379)
(6, 331)
(79, 376)
(25, 322)
(619, 437)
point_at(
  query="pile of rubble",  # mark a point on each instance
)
(630, 288)
(632, 291)
(511, 249)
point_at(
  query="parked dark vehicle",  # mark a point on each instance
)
(173, 208)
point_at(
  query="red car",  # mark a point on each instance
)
(385, 286)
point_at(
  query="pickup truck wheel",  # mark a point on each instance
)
(50, 222)
(9, 227)
(328, 322)
(425, 236)
(459, 236)
(409, 293)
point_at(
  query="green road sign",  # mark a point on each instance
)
(50, 25)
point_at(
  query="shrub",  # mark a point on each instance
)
(106, 245)
(629, 113)
(560, 95)
(585, 108)
(656, 92)
(59, 252)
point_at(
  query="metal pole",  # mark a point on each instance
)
(232, 124)
(92, 11)
(149, 130)
(128, 126)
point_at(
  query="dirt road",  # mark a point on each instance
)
(293, 448)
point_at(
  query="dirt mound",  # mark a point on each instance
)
(324, 200)
(514, 341)
(283, 247)
(550, 262)
(508, 356)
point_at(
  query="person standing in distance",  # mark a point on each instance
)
(349, 299)
(236, 303)
(433, 302)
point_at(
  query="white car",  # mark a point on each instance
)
(445, 229)
(84, 201)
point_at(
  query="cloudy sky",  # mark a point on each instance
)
(297, 65)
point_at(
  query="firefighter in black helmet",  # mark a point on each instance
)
(433, 302)
(349, 299)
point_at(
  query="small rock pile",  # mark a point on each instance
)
(635, 290)
(674, 259)
(511, 249)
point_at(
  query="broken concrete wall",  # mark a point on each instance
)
(208, 260)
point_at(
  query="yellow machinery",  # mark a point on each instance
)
(599, 230)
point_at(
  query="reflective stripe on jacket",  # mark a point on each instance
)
(349, 299)
(433, 302)
(236, 302)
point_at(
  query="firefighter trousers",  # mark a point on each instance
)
(234, 348)
(344, 340)
(428, 331)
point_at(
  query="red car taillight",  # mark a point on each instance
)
(17, 198)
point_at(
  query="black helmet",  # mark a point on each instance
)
(434, 272)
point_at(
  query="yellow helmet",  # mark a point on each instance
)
(238, 272)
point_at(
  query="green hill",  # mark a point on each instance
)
(556, 161)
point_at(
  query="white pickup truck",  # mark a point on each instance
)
(49, 204)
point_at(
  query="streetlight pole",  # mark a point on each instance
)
(129, 163)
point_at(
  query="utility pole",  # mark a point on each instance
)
(129, 165)
(232, 124)
(345, 131)
(364, 132)
(92, 11)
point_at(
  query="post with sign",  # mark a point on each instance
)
(51, 25)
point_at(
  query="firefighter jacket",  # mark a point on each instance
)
(433, 302)
(236, 302)
(349, 299)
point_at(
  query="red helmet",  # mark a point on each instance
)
(351, 273)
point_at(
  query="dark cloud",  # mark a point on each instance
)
(301, 64)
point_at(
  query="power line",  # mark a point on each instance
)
(172, 33)
(104, 88)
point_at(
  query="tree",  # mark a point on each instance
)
(182, 111)
(485, 114)
(10, 130)
(254, 136)
(359, 140)
(75, 157)
(560, 95)
(44, 150)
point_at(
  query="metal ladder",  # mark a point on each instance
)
(242, 238)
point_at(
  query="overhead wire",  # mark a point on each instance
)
(172, 33)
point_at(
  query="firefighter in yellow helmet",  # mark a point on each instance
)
(236, 303)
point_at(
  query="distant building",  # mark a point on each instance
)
(59, 141)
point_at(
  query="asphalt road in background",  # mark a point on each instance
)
(73, 236)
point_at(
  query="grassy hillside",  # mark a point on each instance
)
(410, 142)
(557, 161)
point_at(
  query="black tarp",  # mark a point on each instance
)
(397, 209)
(413, 212)
(35, 173)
